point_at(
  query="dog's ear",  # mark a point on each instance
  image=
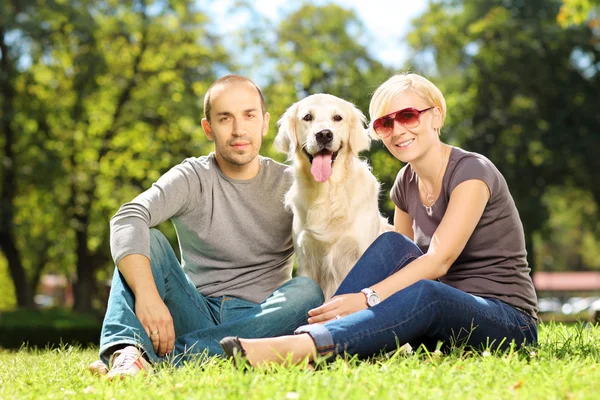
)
(286, 140)
(360, 137)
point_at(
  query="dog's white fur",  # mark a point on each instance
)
(334, 221)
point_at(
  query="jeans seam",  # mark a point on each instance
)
(185, 287)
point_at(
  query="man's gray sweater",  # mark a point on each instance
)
(235, 237)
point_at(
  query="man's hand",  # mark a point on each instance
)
(157, 321)
(337, 306)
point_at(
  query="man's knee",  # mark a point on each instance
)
(159, 245)
(162, 255)
(306, 292)
(157, 239)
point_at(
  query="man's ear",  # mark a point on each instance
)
(207, 129)
(266, 119)
(286, 140)
(360, 138)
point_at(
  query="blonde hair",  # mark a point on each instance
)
(401, 83)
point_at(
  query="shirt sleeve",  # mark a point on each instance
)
(169, 196)
(398, 192)
(473, 167)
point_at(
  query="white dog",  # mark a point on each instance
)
(334, 194)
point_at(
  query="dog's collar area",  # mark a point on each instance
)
(311, 157)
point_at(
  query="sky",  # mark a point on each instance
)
(387, 21)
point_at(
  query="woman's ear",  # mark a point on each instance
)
(437, 118)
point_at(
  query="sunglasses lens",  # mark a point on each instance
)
(408, 118)
(383, 126)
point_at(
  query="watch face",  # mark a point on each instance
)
(373, 299)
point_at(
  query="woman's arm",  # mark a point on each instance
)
(466, 205)
(403, 224)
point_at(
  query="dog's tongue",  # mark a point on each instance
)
(321, 166)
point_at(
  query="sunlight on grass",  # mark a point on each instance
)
(564, 365)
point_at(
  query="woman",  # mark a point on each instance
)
(454, 271)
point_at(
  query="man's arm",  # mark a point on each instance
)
(149, 306)
(130, 246)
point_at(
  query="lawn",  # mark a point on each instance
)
(563, 366)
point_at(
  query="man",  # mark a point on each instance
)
(235, 241)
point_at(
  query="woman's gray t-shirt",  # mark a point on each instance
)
(494, 260)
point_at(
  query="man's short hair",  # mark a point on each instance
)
(226, 80)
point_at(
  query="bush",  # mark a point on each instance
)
(42, 328)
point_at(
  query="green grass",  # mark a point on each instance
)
(563, 366)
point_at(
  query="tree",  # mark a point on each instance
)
(106, 97)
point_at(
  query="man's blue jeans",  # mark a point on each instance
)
(200, 322)
(421, 314)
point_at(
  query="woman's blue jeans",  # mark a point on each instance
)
(424, 313)
(200, 321)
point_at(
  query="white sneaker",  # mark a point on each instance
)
(128, 362)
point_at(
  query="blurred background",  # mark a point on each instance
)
(99, 98)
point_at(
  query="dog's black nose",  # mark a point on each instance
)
(325, 136)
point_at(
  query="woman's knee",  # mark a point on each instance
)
(397, 241)
(429, 291)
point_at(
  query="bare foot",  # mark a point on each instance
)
(293, 349)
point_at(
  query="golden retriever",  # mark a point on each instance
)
(334, 194)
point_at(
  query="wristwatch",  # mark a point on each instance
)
(372, 297)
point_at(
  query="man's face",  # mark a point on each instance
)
(237, 125)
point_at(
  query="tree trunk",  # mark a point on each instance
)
(84, 288)
(23, 291)
(530, 250)
(8, 185)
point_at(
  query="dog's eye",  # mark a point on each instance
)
(337, 118)
(308, 117)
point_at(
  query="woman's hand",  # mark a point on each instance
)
(337, 306)
(157, 321)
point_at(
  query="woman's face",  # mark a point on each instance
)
(410, 144)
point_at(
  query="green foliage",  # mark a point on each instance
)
(569, 235)
(575, 12)
(563, 366)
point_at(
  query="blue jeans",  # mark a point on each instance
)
(200, 321)
(422, 314)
